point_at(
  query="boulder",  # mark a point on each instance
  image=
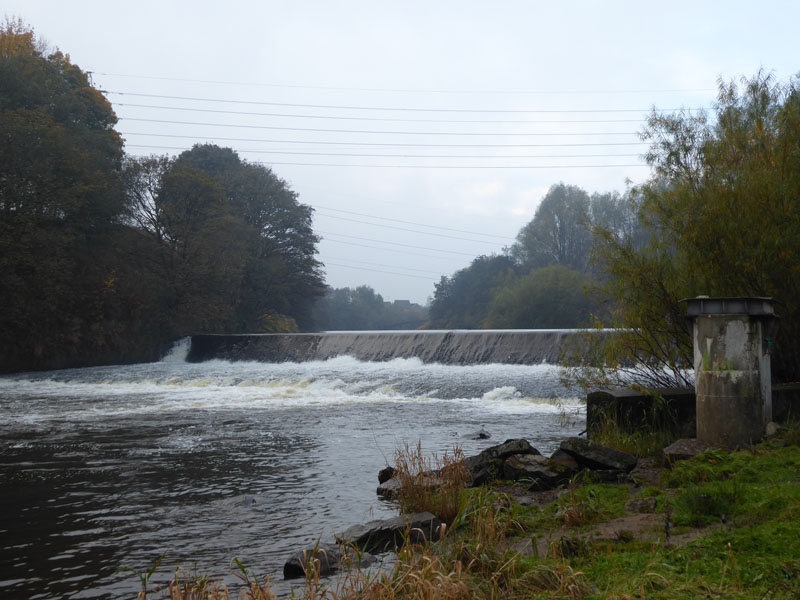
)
(646, 472)
(594, 456)
(390, 489)
(385, 474)
(486, 472)
(684, 450)
(482, 434)
(327, 560)
(488, 464)
(533, 468)
(387, 534)
(563, 463)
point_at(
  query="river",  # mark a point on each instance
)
(110, 467)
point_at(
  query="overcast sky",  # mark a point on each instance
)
(423, 133)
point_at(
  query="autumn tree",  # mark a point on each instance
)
(723, 211)
(60, 198)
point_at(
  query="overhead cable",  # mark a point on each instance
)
(301, 164)
(393, 144)
(324, 233)
(373, 132)
(349, 212)
(384, 119)
(406, 90)
(362, 262)
(379, 271)
(440, 235)
(307, 164)
(398, 108)
(373, 155)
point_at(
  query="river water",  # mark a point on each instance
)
(110, 467)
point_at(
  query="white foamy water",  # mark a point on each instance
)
(112, 466)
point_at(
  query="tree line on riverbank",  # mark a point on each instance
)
(720, 216)
(106, 257)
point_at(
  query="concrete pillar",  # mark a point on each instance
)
(732, 341)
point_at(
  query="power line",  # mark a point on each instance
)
(383, 166)
(373, 132)
(349, 212)
(441, 235)
(380, 271)
(362, 262)
(396, 244)
(390, 119)
(373, 155)
(395, 108)
(403, 252)
(401, 90)
(473, 167)
(393, 144)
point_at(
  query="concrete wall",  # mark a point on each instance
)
(632, 409)
(445, 347)
(730, 398)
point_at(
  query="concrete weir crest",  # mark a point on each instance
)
(451, 347)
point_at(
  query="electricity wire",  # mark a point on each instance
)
(384, 166)
(373, 155)
(391, 119)
(473, 167)
(401, 90)
(403, 252)
(396, 108)
(440, 235)
(362, 262)
(395, 243)
(393, 144)
(380, 271)
(374, 132)
(349, 212)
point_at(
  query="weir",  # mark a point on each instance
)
(455, 347)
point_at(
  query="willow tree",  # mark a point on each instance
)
(723, 211)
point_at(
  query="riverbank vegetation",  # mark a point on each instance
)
(108, 257)
(718, 217)
(717, 525)
(351, 309)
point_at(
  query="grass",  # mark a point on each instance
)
(739, 514)
(431, 484)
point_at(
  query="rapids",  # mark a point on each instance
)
(110, 467)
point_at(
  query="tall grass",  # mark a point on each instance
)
(431, 484)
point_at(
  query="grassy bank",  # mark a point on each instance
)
(722, 525)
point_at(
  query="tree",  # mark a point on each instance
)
(60, 200)
(236, 248)
(551, 297)
(558, 232)
(361, 308)
(724, 216)
(349, 309)
(462, 301)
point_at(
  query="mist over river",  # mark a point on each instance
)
(109, 467)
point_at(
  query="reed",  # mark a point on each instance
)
(431, 484)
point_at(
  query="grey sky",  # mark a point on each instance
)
(611, 60)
